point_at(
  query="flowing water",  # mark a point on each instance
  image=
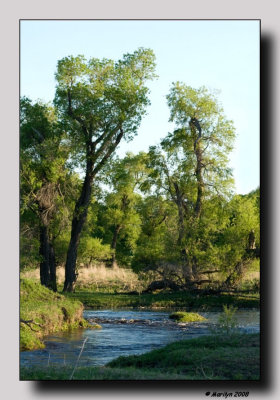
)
(123, 333)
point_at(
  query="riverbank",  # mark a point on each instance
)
(43, 312)
(213, 357)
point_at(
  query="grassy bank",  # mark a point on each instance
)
(43, 312)
(215, 357)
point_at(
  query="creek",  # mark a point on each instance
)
(123, 333)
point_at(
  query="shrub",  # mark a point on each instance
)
(227, 321)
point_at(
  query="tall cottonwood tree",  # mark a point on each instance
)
(101, 102)
(193, 164)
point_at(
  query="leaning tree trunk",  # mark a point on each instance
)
(78, 221)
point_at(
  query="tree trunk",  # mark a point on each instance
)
(199, 179)
(47, 265)
(78, 221)
(196, 134)
(114, 245)
(104, 152)
(181, 215)
(180, 207)
(235, 277)
(44, 252)
(52, 282)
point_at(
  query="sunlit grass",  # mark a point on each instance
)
(97, 278)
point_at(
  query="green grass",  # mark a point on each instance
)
(209, 357)
(181, 316)
(49, 312)
(215, 357)
(164, 300)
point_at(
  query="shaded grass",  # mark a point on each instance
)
(94, 373)
(164, 300)
(219, 357)
(48, 312)
(233, 357)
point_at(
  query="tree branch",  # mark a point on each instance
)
(108, 153)
(106, 142)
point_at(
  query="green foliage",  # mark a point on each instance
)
(98, 97)
(92, 249)
(169, 212)
(120, 219)
(182, 316)
(216, 140)
(45, 178)
(189, 169)
(29, 248)
(156, 244)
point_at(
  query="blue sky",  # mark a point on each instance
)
(221, 55)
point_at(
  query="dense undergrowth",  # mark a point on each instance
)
(215, 357)
(43, 312)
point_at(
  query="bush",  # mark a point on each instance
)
(92, 249)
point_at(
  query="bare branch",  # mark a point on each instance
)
(30, 321)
